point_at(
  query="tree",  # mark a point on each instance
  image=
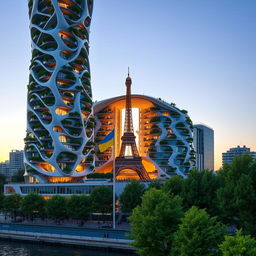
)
(237, 198)
(102, 199)
(198, 234)
(78, 206)
(131, 196)
(18, 177)
(12, 203)
(200, 189)
(56, 206)
(2, 182)
(155, 184)
(1, 201)
(154, 222)
(238, 245)
(97, 175)
(33, 204)
(174, 185)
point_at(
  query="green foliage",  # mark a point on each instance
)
(19, 176)
(12, 203)
(78, 206)
(131, 196)
(238, 245)
(155, 184)
(101, 197)
(174, 185)
(154, 222)
(198, 234)
(33, 204)
(237, 198)
(1, 201)
(200, 189)
(56, 206)
(2, 182)
(95, 175)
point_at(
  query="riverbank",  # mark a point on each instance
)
(68, 236)
(26, 248)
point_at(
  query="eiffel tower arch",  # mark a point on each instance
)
(129, 157)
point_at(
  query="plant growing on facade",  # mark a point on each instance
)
(56, 81)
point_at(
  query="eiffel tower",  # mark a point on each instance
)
(129, 157)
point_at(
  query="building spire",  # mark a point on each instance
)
(128, 71)
(128, 127)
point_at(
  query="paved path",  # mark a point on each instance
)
(65, 223)
(73, 231)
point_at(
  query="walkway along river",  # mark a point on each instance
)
(87, 237)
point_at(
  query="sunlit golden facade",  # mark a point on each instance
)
(164, 136)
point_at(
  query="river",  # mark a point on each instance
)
(28, 249)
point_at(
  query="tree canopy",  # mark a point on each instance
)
(56, 206)
(238, 245)
(102, 200)
(131, 196)
(1, 201)
(174, 185)
(79, 206)
(154, 222)
(200, 189)
(12, 203)
(198, 234)
(2, 182)
(33, 204)
(237, 197)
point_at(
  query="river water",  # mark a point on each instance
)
(26, 249)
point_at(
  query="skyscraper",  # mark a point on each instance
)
(203, 139)
(5, 168)
(16, 161)
(59, 111)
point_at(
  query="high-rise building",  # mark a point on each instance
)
(229, 156)
(4, 168)
(203, 139)
(62, 130)
(16, 161)
(59, 110)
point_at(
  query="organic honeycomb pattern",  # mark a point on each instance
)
(170, 139)
(59, 142)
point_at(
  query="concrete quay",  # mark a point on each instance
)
(82, 237)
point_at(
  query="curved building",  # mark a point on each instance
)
(164, 136)
(59, 111)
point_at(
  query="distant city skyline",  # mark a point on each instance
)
(229, 155)
(200, 55)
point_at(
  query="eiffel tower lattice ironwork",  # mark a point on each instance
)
(129, 157)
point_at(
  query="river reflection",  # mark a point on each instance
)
(27, 249)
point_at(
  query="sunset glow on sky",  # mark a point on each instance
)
(199, 54)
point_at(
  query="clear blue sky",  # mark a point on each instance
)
(200, 54)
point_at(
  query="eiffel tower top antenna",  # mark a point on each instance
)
(128, 126)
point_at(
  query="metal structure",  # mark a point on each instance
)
(165, 135)
(58, 144)
(129, 156)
